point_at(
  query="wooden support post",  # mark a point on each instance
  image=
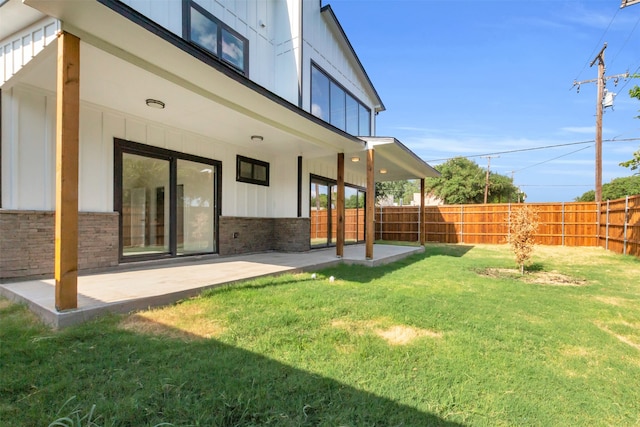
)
(67, 150)
(423, 232)
(340, 226)
(370, 207)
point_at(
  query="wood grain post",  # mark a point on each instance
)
(340, 226)
(423, 232)
(370, 206)
(67, 151)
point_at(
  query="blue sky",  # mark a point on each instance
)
(471, 77)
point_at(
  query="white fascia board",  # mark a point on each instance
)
(398, 160)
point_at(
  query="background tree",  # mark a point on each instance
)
(462, 181)
(400, 190)
(616, 189)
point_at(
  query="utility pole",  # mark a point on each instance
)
(601, 81)
(626, 3)
(486, 184)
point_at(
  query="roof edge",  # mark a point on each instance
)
(327, 9)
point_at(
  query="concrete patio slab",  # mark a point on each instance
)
(139, 286)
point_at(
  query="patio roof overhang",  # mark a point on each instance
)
(121, 69)
(397, 160)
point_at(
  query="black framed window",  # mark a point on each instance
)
(322, 212)
(169, 202)
(208, 32)
(334, 104)
(252, 171)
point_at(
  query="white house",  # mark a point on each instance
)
(142, 129)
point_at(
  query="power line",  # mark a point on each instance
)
(625, 42)
(598, 43)
(591, 141)
(555, 158)
(554, 185)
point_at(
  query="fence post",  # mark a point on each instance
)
(509, 222)
(563, 224)
(419, 223)
(606, 237)
(381, 222)
(461, 223)
(626, 221)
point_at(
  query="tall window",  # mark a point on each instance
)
(168, 202)
(217, 38)
(323, 214)
(335, 105)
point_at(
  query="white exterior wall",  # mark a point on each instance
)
(270, 26)
(329, 169)
(321, 46)
(17, 50)
(28, 158)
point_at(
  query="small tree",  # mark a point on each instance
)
(523, 223)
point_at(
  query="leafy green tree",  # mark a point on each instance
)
(462, 181)
(616, 189)
(400, 190)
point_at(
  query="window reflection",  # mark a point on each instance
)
(145, 205)
(216, 37)
(195, 208)
(333, 104)
(204, 31)
(319, 94)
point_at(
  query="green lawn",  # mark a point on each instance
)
(425, 341)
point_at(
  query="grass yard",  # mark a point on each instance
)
(442, 338)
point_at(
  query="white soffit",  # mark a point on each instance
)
(133, 58)
(15, 16)
(399, 162)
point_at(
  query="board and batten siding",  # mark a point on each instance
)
(17, 50)
(28, 158)
(270, 26)
(322, 46)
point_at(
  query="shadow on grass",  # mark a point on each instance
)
(534, 267)
(447, 249)
(355, 272)
(141, 379)
(363, 274)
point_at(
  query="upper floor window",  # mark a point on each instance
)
(211, 34)
(334, 104)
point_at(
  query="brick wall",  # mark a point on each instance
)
(27, 242)
(291, 234)
(239, 235)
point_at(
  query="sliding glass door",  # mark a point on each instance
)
(168, 202)
(195, 214)
(324, 215)
(320, 213)
(145, 205)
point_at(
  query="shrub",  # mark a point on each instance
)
(523, 223)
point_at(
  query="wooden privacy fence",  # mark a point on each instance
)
(353, 224)
(615, 225)
(619, 228)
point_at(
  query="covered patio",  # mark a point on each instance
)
(145, 285)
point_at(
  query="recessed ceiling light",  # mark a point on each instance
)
(257, 138)
(383, 171)
(355, 159)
